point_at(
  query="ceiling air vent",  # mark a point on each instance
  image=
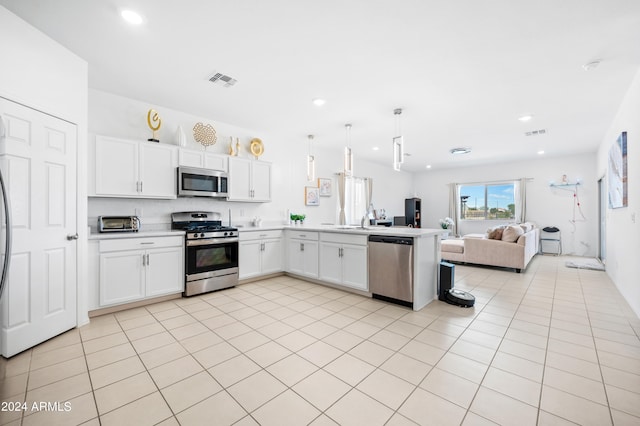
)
(222, 80)
(536, 132)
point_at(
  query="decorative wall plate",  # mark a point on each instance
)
(205, 134)
(257, 147)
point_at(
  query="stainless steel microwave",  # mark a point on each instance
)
(197, 182)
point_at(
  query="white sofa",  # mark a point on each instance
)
(481, 250)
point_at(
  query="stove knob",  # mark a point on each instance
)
(230, 234)
(195, 235)
(225, 234)
(202, 235)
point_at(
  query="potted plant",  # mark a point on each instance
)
(297, 218)
(447, 224)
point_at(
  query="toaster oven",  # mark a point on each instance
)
(118, 224)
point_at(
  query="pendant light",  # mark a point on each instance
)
(348, 155)
(311, 161)
(398, 143)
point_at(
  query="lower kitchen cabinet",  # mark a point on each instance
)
(132, 269)
(260, 253)
(343, 260)
(302, 253)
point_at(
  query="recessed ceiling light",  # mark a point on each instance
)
(375, 148)
(540, 152)
(525, 118)
(428, 166)
(591, 65)
(458, 151)
(319, 102)
(131, 17)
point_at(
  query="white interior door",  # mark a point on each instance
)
(38, 159)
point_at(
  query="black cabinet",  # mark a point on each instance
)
(412, 207)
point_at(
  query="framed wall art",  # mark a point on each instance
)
(311, 196)
(617, 173)
(324, 185)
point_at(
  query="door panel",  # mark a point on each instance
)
(39, 162)
(55, 182)
(54, 268)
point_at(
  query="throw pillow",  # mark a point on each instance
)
(495, 233)
(526, 227)
(512, 233)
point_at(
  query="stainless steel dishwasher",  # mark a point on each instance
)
(391, 269)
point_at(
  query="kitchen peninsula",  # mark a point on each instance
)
(336, 255)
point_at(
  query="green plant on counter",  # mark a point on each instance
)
(296, 217)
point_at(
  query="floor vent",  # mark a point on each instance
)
(222, 80)
(536, 132)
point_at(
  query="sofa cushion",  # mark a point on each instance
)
(453, 246)
(476, 236)
(511, 233)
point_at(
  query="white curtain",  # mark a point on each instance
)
(521, 197)
(368, 191)
(454, 207)
(355, 195)
(342, 219)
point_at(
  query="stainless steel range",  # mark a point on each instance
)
(211, 258)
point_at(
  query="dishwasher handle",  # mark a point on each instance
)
(387, 239)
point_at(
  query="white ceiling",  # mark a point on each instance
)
(463, 71)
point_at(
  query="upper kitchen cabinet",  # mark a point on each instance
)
(202, 159)
(249, 180)
(132, 169)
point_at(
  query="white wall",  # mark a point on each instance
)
(38, 72)
(623, 224)
(546, 206)
(118, 116)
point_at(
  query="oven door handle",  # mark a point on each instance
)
(211, 241)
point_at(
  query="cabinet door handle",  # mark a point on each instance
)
(148, 260)
(144, 260)
(147, 243)
(301, 246)
(141, 186)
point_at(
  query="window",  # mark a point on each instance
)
(487, 201)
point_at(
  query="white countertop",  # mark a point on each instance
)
(139, 234)
(369, 230)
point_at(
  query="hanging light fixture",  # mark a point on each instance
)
(311, 161)
(348, 155)
(398, 143)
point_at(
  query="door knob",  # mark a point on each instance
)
(72, 237)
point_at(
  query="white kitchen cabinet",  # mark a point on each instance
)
(202, 159)
(249, 180)
(343, 260)
(122, 277)
(132, 269)
(260, 253)
(132, 169)
(302, 253)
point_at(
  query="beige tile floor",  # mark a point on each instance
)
(551, 346)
